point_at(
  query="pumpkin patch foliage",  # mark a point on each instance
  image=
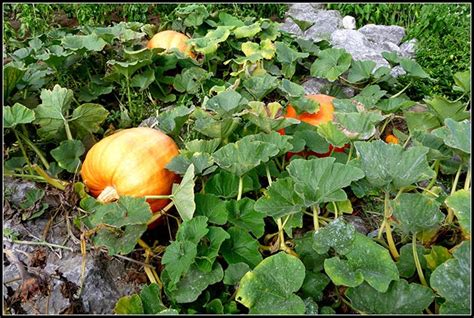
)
(196, 151)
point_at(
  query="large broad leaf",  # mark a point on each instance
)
(421, 121)
(386, 164)
(274, 138)
(280, 199)
(322, 180)
(445, 108)
(266, 117)
(413, 68)
(190, 80)
(68, 153)
(400, 298)
(244, 155)
(406, 263)
(338, 235)
(89, 42)
(211, 207)
(193, 14)
(365, 259)
(148, 302)
(226, 185)
(360, 70)
(241, 247)
(247, 31)
(193, 283)
(243, 214)
(331, 63)
(183, 195)
(416, 212)
(180, 254)
(462, 81)
(12, 75)
(437, 256)
(455, 134)
(172, 121)
(51, 113)
(86, 119)
(210, 42)
(460, 202)
(332, 134)
(126, 69)
(226, 103)
(260, 86)
(265, 290)
(234, 273)
(213, 128)
(209, 247)
(370, 95)
(18, 114)
(359, 125)
(125, 221)
(452, 281)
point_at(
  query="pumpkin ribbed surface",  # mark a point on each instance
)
(171, 39)
(323, 115)
(131, 162)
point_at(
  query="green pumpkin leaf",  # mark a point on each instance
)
(366, 259)
(244, 155)
(151, 299)
(359, 125)
(241, 247)
(172, 121)
(226, 185)
(125, 220)
(90, 42)
(400, 298)
(208, 248)
(444, 108)
(406, 263)
(314, 285)
(332, 134)
(87, 118)
(337, 234)
(437, 256)
(210, 42)
(247, 31)
(413, 68)
(280, 199)
(129, 305)
(67, 155)
(183, 195)
(234, 273)
(212, 207)
(452, 281)
(462, 82)
(192, 284)
(331, 63)
(143, 80)
(190, 80)
(322, 180)
(260, 86)
(386, 164)
(243, 214)
(18, 114)
(360, 70)
(50, 114)
(264, 290)
(455, 134)
(421, 121)
(12, 74)
(226, 103)
(416, 212)
(460, 202)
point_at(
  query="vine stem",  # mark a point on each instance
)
(41, 243)
(449, 218)
(401, 92)
(350, 152)
(417, 262)
(23, 151)
(467, 181)
(316, 217)
(433, 180)
(388, 229)
(241, 185)
(281, 235)
(35, 149)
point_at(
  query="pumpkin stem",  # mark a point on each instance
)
(109, 194)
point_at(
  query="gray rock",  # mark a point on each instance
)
(390, 47)
(149, 122)
(17, 189)
(408, 48)
(315, 85)
(397, 71)
(383, 33)
(291, 27)
(349, 22)
(302, 11)
(325, 23)
(355, 43)
(318, 6)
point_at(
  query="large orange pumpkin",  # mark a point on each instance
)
(323, 115)
(171, 39)
(131, 162)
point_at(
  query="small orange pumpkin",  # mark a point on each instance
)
(391, 139)
(171, 39)
(131, 162)
(323, 115)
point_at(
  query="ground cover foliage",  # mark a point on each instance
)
(252, 229)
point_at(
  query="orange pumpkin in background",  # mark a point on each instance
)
(323, 115)
(171, 39)
(131, 162)
(391, 139)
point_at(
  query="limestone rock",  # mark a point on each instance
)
(383, 33)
